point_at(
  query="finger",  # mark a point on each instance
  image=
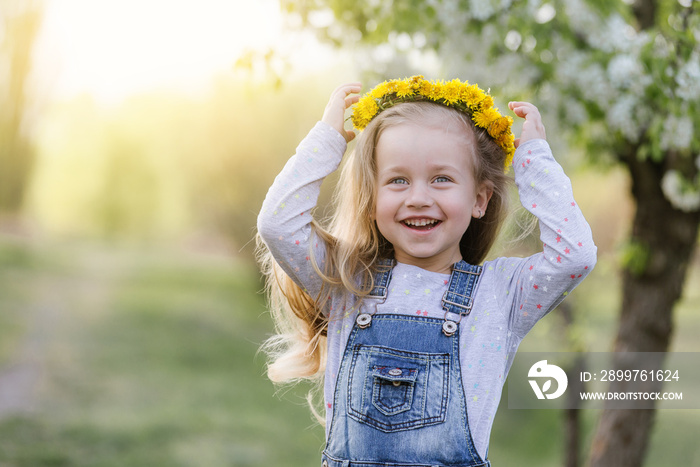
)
(351, 100)
(342, 92)
(523, 109)
(339, 96)
(348, 88)
(514, 104)
(350, 84)
(349, 135)
(516, 143)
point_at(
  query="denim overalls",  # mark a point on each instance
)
(399, 398)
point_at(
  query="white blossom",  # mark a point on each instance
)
(481, 9)
(569, 67)
(612, 36)
(622, 69)
(513, 40)
(590, 78)
(505, 4)
(593, 82)
(679, 192)
(678, 133)
(626, 72)
(452, 16)
(545, 13)
(688, 79)
(581, 18)
(575, 112)
(622, 117)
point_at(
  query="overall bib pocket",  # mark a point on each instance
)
(394, 390)
(393, 387)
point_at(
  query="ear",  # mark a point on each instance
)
(483, 195)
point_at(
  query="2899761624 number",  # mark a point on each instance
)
(639, 375)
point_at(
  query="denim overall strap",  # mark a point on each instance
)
(464, 278)
(459, 296)
(382, 278)
(380, 285)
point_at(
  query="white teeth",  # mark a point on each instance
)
(420, 222)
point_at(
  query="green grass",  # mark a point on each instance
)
(152, 361)
(149, 358)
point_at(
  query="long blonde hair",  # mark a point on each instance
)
(354, 244)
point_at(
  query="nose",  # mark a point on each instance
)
(418, 196)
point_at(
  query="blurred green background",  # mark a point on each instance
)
(131, 310)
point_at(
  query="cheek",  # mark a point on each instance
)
(381, 212)
(459, 208)
(384, 211)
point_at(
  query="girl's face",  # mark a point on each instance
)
(426, 193)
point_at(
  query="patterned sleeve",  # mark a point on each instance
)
(536, 285)
(284, 222)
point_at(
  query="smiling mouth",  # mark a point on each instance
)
(421, 224)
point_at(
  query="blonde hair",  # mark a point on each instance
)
(354, 243)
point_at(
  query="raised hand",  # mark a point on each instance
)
(533, 128)
(340, 100)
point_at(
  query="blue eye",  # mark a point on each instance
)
(442, 179)
(398, 181)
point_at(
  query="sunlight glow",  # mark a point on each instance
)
(114, 48)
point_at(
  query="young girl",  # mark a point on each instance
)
(389, 301)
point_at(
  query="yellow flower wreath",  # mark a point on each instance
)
(468, 98)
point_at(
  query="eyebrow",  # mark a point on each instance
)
(436, 168)
(443, 168)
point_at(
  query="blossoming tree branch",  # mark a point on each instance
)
(625, 78)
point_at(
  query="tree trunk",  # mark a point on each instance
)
(19, 22)
(667, 238)
(572, 415)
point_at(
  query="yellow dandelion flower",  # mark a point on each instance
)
(436, 91)
(450, 91)
(416, 83)
(505, 140)
(403, 88)
(380, 90)
(369, 108)
(509, 158)
(483, 118)
(507, 136)
(365, 111)
(425, 88)
(486, 102)
(416, 79)
(472, 95)
(358, 122)
(499, 126)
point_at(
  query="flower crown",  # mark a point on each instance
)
(463, 96)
